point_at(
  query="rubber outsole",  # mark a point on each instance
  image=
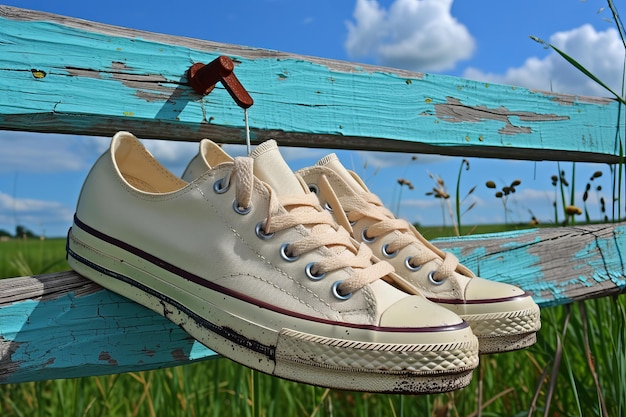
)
(505, 331)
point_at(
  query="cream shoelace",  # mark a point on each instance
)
(368, 205)
(286, 212)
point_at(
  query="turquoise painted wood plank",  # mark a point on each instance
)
(62, 325)
(72, 76)
(557, 265)
(80, 329)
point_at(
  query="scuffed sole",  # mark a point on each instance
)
(500, 344)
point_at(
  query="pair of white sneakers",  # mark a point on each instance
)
(282, 271)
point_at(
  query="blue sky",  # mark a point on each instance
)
(486, 40)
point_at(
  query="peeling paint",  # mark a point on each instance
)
(453, 111)
(68, 336)
(83, 72)
(570, 100)
(148, 87)
(372, 118)
(7, 364)
(557, 265)
(104, 356)
(179, 356)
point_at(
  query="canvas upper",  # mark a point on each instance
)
(244, 258)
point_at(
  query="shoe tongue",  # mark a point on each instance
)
(331, 161)
(271, 168)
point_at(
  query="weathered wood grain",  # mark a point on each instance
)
(557, 265)
(62, 325)
(65, 75)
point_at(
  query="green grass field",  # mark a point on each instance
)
(23, 257)
(577, 367)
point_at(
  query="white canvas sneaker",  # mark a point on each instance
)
(247, 262)
(502, 316)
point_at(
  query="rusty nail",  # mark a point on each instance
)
(237, 91)
(202, 78)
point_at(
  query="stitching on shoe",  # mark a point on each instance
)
(371, 302)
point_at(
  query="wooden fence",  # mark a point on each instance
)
(71, 76)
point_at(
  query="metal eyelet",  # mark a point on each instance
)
(310, 275)
(258, 229)
(314, 188)
(241, 210)
(409, 266)
(335, 290)
(220, 187)
(364, 237)
(431, 278)
(285, 255)
(386, 253)
(328, 207)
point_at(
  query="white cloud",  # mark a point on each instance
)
(46, 153)
(601, 52)
(30, 211)
(418, 35)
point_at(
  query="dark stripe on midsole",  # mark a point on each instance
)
(225, 332)
(235, 294)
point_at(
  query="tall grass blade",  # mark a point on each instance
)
(21, 265)
(585, 71)
(533, 403)
(618, 21)
(563, 203)
(557, 362)
(320, 403)
(590, 360)
(464, 162)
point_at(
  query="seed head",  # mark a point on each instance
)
(573, 210)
